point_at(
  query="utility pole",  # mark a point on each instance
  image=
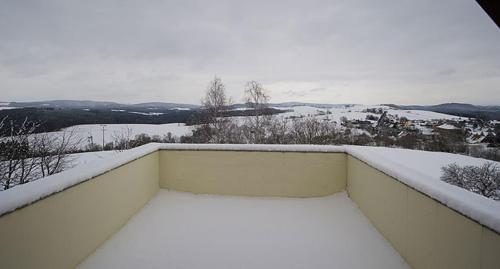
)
(103, 129)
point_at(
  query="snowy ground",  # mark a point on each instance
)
(7, 107)
(358, 112)
(181, 230)
(84, 134)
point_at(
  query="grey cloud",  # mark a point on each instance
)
(447, 72)
(170, 49)
(294, 94)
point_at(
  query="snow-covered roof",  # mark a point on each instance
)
(420, 170)
(447, 126)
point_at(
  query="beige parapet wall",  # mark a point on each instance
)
(426, 233)
(287, 174)
(64, 228)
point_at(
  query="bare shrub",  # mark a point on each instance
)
(312, 131)
(52, 151)
(122, 139)
(17, 160)
(278, 131)
(485, 153)
(26, 156)
(483, 179)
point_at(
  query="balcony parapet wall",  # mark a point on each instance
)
(57, 221)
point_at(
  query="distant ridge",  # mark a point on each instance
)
(64, 103)
(294, 104)
(98, 104)
(165, 105)
(156, 105)
(318, 105)
(459, 109)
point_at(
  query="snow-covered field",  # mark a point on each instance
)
(358, 112)
(86, 133)
(182, 230)
(7, 107)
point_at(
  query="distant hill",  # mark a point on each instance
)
(317, 105)
(161, 105)
(82, 104)
(65, 104)
(294, 104)
(459, 109)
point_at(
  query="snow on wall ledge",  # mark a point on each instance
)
(418, 169)
(421, 170)
(22, 195)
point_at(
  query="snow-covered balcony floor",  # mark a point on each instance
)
(183, 230)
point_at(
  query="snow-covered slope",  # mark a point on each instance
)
(359, 112)
(7, 107)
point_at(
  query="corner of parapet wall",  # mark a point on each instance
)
(427, 233)
(61, 229)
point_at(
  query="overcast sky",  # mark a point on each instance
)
(332, 51)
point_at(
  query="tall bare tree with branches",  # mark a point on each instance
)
(257, 99)
(215, 104)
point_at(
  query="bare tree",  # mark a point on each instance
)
(16, 155)
(215, 104)
(168, 138)
(53, 151)
(26, 156)
(256, 96)
(278, 131)
(257, 99)
(122, 140)
(312, 131)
